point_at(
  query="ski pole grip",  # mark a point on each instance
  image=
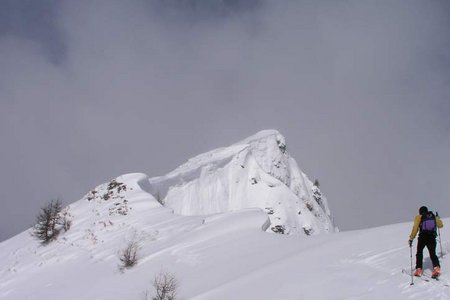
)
(437, 215)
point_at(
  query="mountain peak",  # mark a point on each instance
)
(218, 202)
(255, 172)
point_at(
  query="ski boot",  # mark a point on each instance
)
(436, 272)
(418, 272)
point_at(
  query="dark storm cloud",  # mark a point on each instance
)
(92, 90)
(34, 20)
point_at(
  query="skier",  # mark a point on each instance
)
(426, 223)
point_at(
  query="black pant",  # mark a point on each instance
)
(428, 240)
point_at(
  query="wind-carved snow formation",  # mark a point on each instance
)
(257, 172)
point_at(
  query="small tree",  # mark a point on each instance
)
(48, 222)
(165, 285)
(129, 256)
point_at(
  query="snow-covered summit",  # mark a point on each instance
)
(255, 172)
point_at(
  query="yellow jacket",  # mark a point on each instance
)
(415, 228)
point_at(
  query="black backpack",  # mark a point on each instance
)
(428, 223)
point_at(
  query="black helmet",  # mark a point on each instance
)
(423, 210)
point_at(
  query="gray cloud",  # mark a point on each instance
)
(91, 90)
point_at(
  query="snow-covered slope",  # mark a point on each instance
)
(220, 256)
(256, 172)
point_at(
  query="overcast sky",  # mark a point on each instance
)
(90, 90)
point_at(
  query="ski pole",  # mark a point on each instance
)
(410, 255)
(439, 234)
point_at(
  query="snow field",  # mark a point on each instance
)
(218, 256)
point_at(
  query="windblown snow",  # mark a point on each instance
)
(256, 172)
(216, 251)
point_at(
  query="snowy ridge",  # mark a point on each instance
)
(216, 243)
(256, 172)
(215, 257)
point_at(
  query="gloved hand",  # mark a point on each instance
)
(410, 243)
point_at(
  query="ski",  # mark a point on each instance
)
(407, 272)
(424, 278)
(427, 278)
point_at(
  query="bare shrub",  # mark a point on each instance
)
(65, 219)
(129, 256)
(48, 221)
(66, 223)
(165, 285)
